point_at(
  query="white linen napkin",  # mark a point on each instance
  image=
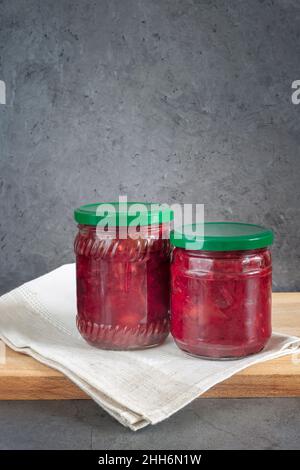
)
(136, 387)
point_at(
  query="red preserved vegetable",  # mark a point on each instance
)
(123, 286)
(221, 300)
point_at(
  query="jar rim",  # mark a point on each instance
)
(222, 236)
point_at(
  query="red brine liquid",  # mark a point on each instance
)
(221, 301)
(123, 287)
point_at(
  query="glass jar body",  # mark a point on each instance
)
(123, 287)
(221, 301)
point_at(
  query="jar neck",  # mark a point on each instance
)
(235, 254)
(223, 263)
(158, 231)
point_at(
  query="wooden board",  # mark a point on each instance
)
(23, 378)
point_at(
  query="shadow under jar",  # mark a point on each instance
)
(221, 289)
(123, 275)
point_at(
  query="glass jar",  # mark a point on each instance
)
(221, 287)
(123, 276)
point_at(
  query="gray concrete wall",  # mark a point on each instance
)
(172, 100)
(259, 423)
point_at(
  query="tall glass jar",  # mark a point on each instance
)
(221, 289)
(123, 275)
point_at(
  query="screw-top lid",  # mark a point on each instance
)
(222, 236)
(123, 214)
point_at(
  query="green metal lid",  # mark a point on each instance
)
(222, 236)
(123, 214)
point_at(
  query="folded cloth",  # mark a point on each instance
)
(136, 387)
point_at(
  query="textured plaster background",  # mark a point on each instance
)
(266, 424)
(172, 100)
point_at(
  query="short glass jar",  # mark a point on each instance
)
(123, 275)
(221, 289)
